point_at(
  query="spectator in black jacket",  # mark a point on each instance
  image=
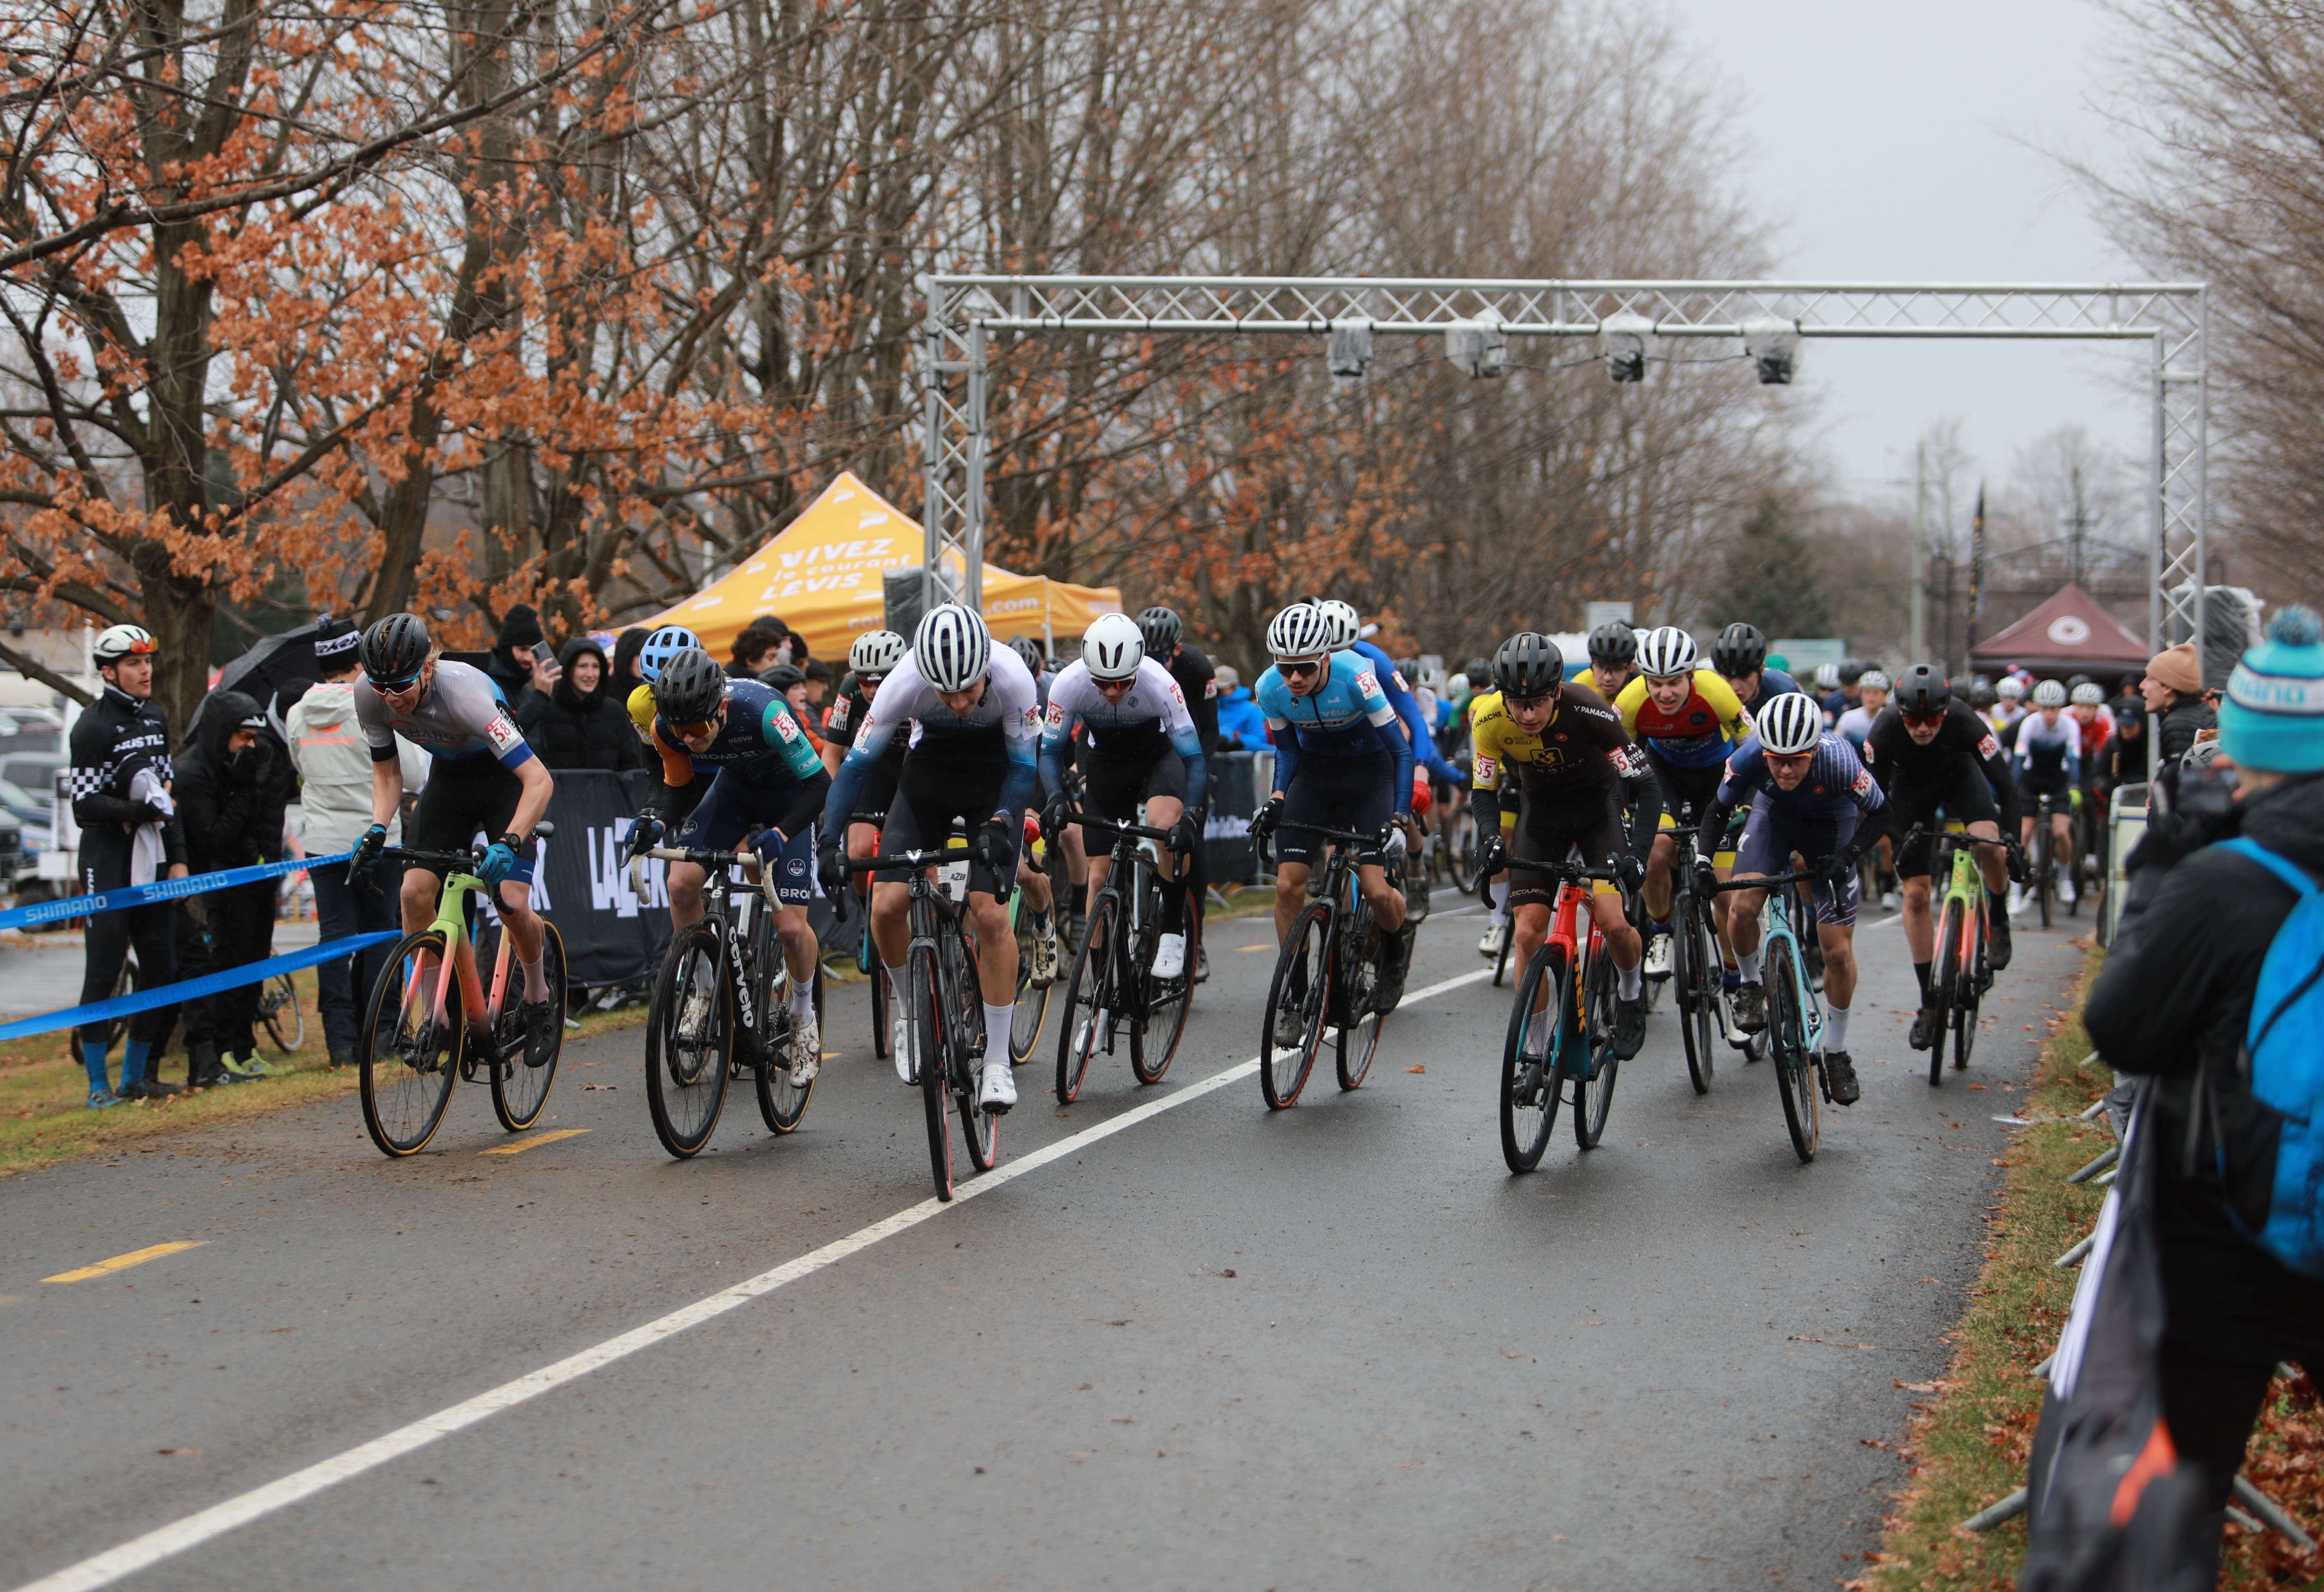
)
(511, 665)
(2173, 690)
(2174, 1002)
(231, 788)
(580, 723)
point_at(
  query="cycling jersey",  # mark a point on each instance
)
(1837, 783)
(1709, 722)
(1003, 723)
(1582, 748)
(1855, 725)
(2047, 752)
(2095, 733)
(1407, 710)
(761, 743)
(461, 715)
(1146, 719)
(1346, 716)
(1932, 774)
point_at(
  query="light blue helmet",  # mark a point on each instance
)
(663, 645)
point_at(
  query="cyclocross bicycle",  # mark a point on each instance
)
(722, 1007)
(1031, 1013)
(1793, 1036)
(414, 1040)
(1560, 1025)
(1960, 970)
(1113, 984)
(1695, 967)
(2043, 884)
(944, 1009)
(1326, 974)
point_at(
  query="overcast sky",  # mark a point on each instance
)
(1891, 140)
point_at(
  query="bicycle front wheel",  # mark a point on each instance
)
(1460, 852)
(689, 1041)
(279, 1009)
(520, 1089)
(408, 1052)
(1694, 969)
(927, 1044)
(1593, 1096)
(1089, 1010)
(1944, 973)
(2045, 870)
(1296, 999)
(1787, 1045)
(1530, 1086)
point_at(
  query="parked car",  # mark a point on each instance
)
(32, 771)
(31, 738)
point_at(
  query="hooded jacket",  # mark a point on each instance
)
(572, 729)
(333, 761)
(233, 802)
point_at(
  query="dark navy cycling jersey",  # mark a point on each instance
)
(1837, 782)
(760, 744)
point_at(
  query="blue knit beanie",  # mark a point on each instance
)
(2273, 715)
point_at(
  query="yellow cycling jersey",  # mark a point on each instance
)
(1710, 720)
(1581, 748)
(641, 713)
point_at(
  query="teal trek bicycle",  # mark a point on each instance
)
(1793, 1036)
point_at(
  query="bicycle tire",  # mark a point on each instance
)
(1088, 992)
(685, 1073)
(1593, 1096)
(2045, 869)
(520, 1092)
(1028, 1018)
(1795, 1078)
(1154, 1033)
(1460, 853)
(1283, 1073)
(1965, 1020)
(883, 995)
(1508, 937)
(1694, 970)
(1358, 1040)
(278, 996)
(1941, 968)
(1530, 1091)
(405, 1090)
(782, 1101)
(924, 1033)
(980, 1130)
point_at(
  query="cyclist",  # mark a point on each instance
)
(1812, 796)
(1143, 747)
(483, 777)
(1828, 693)
(768, 786)
(2086, 706)
(870, 656)
(973, 757)
(2008, 708)
(2049, 762)
(1938, 758)
(1574, 769)
(1341, 758)
(1165, 635)
(1346, 626)
(1739, 654)
(1871, 696)
(1613, 659)
(659, 647)
(1688, 718)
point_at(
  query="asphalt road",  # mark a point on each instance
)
(1335, 1347)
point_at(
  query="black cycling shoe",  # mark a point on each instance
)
(1996, 954)
(1840, 1078)
(483, 1048)
(1291, 1017)
(1630, 1026)
(1395, 957)
(542, 1030)
(1751, 1006)
(1928, 1029)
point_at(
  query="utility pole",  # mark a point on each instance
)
(1920, 604)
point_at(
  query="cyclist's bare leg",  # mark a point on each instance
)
(524, 931)
(1290, 894)
(1743, 918)
(1099, 866)
(1657, 889)
(1919, 922)
(862, 840)
(2061, 838)
(1387, 901)
(1625, 943)
(1991, 859)
(1530, 923)
(421, 889)
(683, 888)
(1839, 964)
(797, 936)
(996, 949)
(1033, 882)
(1161, 812)
(892, 922)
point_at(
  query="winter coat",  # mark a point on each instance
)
(232, 801)
(333, 760)
(571, 729)
(1242, 726)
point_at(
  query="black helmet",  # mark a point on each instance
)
(1162, 629)
(394, 647)
(691, 686)
(1739, 649)
(1479, 670)
(784, 676)
(1528, 665)
(1613, 642)
(1922, 689)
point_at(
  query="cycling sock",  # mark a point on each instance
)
(997, 1021)
(1749, 966)
(1661, 922)
(1040, 919)
(1835, 1028)
(705, 972)
(133, 1063)
(1997, 903)
(536, 980)
(1629, 982)
(92, 1055)
(1921, 971)
(802, 1000)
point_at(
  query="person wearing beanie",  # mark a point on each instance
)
(2173, 690)
(231, 788)
(511, 666)
(2173, 1003)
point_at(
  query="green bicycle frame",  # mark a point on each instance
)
(1964, 888)
(452, 921)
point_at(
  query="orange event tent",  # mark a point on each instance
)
(822, 576)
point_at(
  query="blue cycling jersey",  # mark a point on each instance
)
(1407, 708)
(1837, 781)
(1348, 715)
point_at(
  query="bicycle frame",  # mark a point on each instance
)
(459, 927)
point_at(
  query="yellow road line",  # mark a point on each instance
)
(1254, 948)
(122, 1263)
(537, 1139)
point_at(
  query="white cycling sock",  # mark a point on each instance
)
(1629, 982)
(1835, 1028)
(705, 974)
(536, 980)
(1749, 966)
(997, 1019)
(1501, 906)
(802, 1000)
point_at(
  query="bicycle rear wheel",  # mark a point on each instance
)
(1154, 1037)
(1301, 987)
(1965, 1015)
(1694, 970)
(406, 1058)
(1531, 1089)
(689, 1041)
(1090, 999)
(1030, 1015)
(519, 1090)
(782, 1100)
(1787, 1045)
(1358, 1040)
(279, 1009)
(1593, 1046)
(883, 995)
(980, 1130)
(1461, 851)
(1509, 938)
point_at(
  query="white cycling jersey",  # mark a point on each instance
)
(1008, 710)
(459, 715)
(1154, 705)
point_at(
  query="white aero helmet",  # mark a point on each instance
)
(2050, 694)
(1872, 680)
(1790, 724)
(1666, 651)
(952, 646)
(120, 641)
(1300, 630)
(1341, 622)
(875, 652)
(2010, 689)
(2087, 694)
(1827, 676)
(1114, 647)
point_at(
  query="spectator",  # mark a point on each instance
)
(2174, 1002)
(580, 724)
(1242, 726)
(759, 648)
(628, 676)
(129, 830)
(328, 750)
(232, 789)
(818, 685)
(2173, 690)
(512, 665)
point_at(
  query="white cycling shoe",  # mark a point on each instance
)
(2016, 900)
(1044, 947)
(899, 1048)
(1495, 933)
(1659, 955)
(998, 1091)
(807, 1048)
(1170, 956)
(2066, 887)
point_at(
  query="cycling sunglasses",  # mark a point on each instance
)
(1924, 721)
(1298, 671)
(392, 687)
(1789, 760)
(1539, 699)
(703, 728)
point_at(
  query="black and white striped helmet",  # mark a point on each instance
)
(1666, 652)
(952, 646)
(1790, 724)
(1114, 647)
(1300, 630)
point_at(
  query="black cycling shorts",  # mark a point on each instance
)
(1964, 796)
(1112, 787)
(931, 793)
(2031, 787)
(1354, 794)
(465, 798)
(1547, 830)
(734, 810)
(1687, 793)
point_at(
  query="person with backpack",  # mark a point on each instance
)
(2214, 988)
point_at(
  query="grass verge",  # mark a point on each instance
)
(1969, 1443)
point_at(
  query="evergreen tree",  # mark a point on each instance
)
(1770, 576)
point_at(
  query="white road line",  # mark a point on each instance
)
(205, 1525)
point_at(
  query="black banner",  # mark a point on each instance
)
(611, 935)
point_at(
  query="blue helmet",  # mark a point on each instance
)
(663, 645)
